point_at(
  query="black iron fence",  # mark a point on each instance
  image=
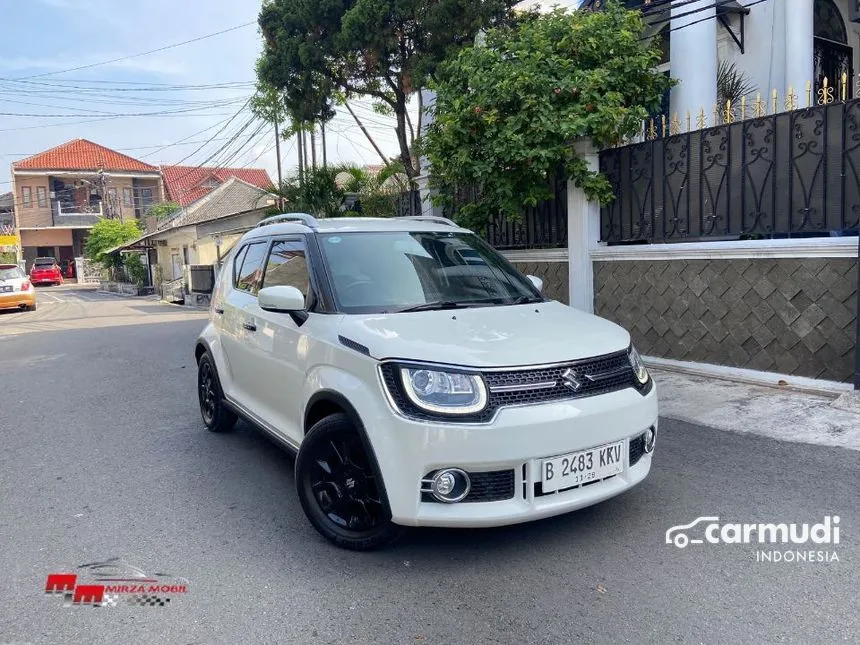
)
(542, 227)
(791, 174)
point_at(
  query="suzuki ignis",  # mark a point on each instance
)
(420, 378)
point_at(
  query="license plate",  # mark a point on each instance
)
(582, 467)
(5, 288)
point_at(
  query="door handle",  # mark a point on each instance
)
(249, 326)
(218, 310)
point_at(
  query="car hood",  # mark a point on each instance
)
(547, 332)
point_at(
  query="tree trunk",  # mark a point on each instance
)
(300, 148)
(313, 146)
(322, 137)
(366, 133)
(405, 153)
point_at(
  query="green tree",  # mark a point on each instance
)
(107, 234)
(508, 112)
(163, 210)
(381, 49)
(135, 268)
(318, 194)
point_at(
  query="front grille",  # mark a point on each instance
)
(494, 486)
(637, 449)
(599, 375)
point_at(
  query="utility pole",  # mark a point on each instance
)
(278, 156)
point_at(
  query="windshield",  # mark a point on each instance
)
(10, 273)
(396, 271)
(43, 264)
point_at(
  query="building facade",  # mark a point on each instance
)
(60, 193)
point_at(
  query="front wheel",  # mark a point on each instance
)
(339, 487)
(216, 417)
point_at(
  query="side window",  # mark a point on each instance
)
(248, 275)
(288, 266)
(237, 263)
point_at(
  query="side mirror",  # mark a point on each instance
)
(536, 281)
(281, 299)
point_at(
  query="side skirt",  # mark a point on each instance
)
(258, 423)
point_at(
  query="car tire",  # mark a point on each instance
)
(31, 307)
(216, 416)
(340, 488)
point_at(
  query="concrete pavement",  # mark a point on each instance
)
(104, 455)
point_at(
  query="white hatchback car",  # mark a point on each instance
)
(420, 378)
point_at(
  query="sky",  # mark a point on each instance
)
(44, 38)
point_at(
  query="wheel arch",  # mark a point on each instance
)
(324, 403)
(200, 348)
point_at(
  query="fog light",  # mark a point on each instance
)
(650, 440)
(450, 485)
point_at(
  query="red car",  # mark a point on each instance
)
(46, 271)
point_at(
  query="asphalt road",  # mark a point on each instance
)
(104, 455)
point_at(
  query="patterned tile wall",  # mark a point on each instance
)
(792, 316)
(554, 275)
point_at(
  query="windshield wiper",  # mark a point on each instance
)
(525, 300)
(433, 306)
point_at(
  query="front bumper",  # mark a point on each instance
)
(17, 299)
(517, 440)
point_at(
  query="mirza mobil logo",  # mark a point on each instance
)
(114, 582)
(779, 542)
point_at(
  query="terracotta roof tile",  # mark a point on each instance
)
(81, 154)
(186, 184)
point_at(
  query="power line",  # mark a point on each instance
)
(146, 53)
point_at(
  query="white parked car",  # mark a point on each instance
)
(420, 378)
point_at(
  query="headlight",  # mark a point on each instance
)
(639, 369)
(444, 392)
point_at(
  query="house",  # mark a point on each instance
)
(204, 231)
(9, 241)
(778, 45)
(184, 185)
(60, 193)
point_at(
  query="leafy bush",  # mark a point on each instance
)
(107, 234)
(135, 269)
(508, 112)
(163, 210)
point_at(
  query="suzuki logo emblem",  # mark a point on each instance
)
(569, 379)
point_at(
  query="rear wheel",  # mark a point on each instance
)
(340, 489)
(216, 417)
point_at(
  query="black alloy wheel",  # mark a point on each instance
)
(216, 417)
(339, 487)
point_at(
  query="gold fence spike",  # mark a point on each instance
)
(843, 90)
(663, 122)
(701, 120)
(790, 99)
(728, 115)
(825, 93)
(743, 108)
(716, 115)
(652, 130)
(760, 107)
(808, 93)
(775, 102)
(675, 125)
(688, 120)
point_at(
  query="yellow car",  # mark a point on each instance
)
(16, 292)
